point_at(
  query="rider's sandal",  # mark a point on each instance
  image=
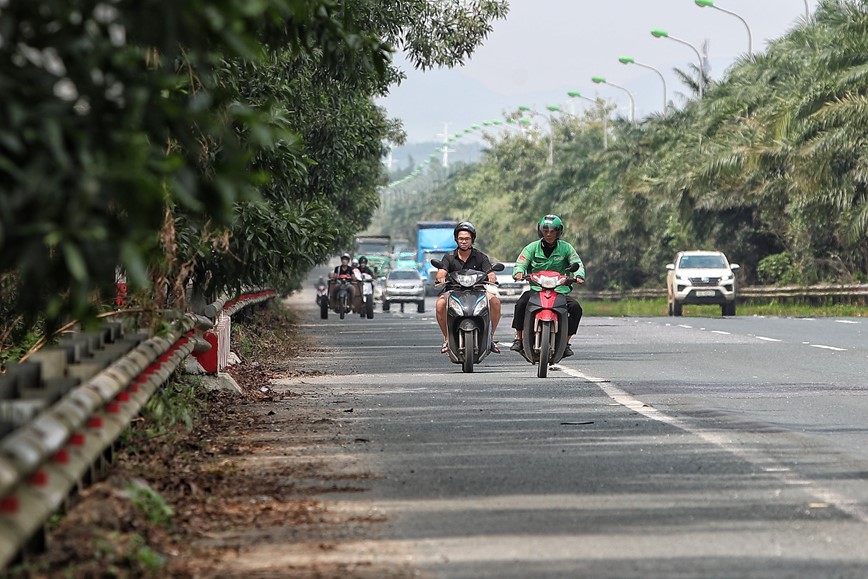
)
(494, 347)
(445, 348)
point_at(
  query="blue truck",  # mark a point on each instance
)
(433, 239)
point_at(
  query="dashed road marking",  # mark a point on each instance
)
(724, 442)
(828, 347)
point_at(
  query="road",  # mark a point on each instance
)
(667, 447)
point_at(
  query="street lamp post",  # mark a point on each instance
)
(602, 80)
(657, 33)
(710, 4)
(577, 95)
(629, 60)
(552, 109)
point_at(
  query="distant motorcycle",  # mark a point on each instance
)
(544, 336)
(343, 295)
(367, 309)
(468, 320)
(322, 298)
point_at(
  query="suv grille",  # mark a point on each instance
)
(705, 281)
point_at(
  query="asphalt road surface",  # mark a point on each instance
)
(667, 447)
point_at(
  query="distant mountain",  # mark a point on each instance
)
(412, 155)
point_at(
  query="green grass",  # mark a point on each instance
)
(657, 307)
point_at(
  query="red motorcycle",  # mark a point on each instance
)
(544, 337)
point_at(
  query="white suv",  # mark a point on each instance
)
(507, 288)
(701, 277)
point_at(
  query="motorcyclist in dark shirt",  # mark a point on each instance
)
(364, 269)
(465, 256)
(343, 269)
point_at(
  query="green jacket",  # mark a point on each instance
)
(532, 259)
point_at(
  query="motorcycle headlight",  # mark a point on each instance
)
(548, 281)
(480, 306)
(455, 305)
(465, 280)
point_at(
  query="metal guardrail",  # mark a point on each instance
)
(68, 443)
(749, 292)
(62, 411)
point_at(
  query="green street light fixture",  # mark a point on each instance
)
(629, 60)
(657, 33)
(602, 80)
(710, 4)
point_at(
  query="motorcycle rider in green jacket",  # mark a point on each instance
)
(552, 253)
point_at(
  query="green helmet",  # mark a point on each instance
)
(550, 222)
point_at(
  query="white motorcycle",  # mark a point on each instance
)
(367, 309)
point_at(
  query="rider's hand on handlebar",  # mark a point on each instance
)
(518, 276)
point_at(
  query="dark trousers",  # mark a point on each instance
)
(574, 314)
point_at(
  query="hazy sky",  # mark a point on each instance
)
(545, 48)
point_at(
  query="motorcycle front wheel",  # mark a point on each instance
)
(468, 337)
(545, 348)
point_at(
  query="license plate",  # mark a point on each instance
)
(705, 293)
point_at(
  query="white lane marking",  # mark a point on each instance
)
(829, 348)
(724, 442)
(846, 322)
(721, 332)
(685, 326)
(767, 339)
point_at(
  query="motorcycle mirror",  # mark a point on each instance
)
(437, 263)
(573, 267)
(498, 267)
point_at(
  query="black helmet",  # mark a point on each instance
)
(363, 260)
(465, 226)
(550, 222)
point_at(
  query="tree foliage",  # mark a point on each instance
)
(769, 166)
(219, 143)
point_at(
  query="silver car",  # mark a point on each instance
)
(404, 286)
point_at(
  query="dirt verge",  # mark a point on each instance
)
(244, 493)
